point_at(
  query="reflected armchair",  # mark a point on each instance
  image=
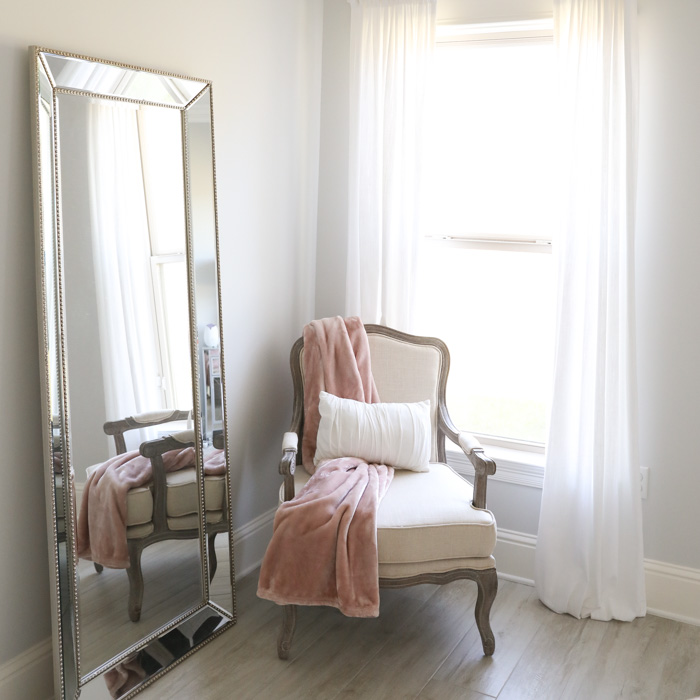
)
(432, 527)
(167, 508)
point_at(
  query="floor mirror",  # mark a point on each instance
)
(134, 426)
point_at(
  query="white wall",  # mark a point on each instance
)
(333, 161)
(264, 60)
(668, 250)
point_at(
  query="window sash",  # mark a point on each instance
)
(477, 37)
(501, 34)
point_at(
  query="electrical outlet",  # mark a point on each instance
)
(644, 480)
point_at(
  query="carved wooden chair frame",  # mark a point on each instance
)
(486, 579)
(154, 450)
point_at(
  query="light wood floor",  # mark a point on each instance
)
(425, 645)
(172, 585)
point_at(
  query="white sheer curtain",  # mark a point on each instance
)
(391, 44)
(589, 559)
(121, 259)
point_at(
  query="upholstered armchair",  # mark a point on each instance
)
(432, 527)
(167, 508)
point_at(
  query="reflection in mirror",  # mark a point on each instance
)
(134, 384)
(205, 256)
(126, 301)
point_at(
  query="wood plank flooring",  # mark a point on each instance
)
(425, 646)
(172, 585)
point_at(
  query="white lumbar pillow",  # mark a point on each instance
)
(395, 434)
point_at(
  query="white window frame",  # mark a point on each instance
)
(523, 457)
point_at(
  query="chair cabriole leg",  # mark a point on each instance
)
(212, 556)
(289, 621)
(135, 583)
(487, 586)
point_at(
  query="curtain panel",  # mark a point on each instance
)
(589, 558)
(390, 46)
(127, 324)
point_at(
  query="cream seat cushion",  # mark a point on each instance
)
(182, 502)
(426, 523)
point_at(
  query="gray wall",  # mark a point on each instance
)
(668, 250)
(264, 60)
(333, 162)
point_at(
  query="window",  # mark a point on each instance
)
(487, 284)
(161, 161)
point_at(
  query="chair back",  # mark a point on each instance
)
(406, 368)
(117, 428)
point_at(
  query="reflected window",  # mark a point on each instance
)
(487, 285)
(138, 232)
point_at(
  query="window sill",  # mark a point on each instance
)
(512, 466)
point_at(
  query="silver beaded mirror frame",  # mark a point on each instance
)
(99, 652)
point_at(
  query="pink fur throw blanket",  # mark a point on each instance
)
(125, 676)
(324, 544)
(336, 360)
(102, 518)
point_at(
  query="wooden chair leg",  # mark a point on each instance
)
(487, 583)
(284, 640)
(99, 568)
(135, 583)
(212, 556)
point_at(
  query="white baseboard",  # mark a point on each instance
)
(515, 556)
(28, 675)
(250, 542)
(672, 591)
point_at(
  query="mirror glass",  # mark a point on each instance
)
(130, 301)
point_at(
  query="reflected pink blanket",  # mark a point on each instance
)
(125, 676)
(102, 518)
(324, 544)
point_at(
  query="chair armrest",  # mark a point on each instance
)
(483, 466)
(473, 449)
(176, 441)
(154, 450)
(290, 442)
(288, 463)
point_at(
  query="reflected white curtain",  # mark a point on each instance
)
(589, 559)
(121, 258)
(391, 43)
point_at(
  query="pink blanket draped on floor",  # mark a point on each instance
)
(324, 545)
(102, 518)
